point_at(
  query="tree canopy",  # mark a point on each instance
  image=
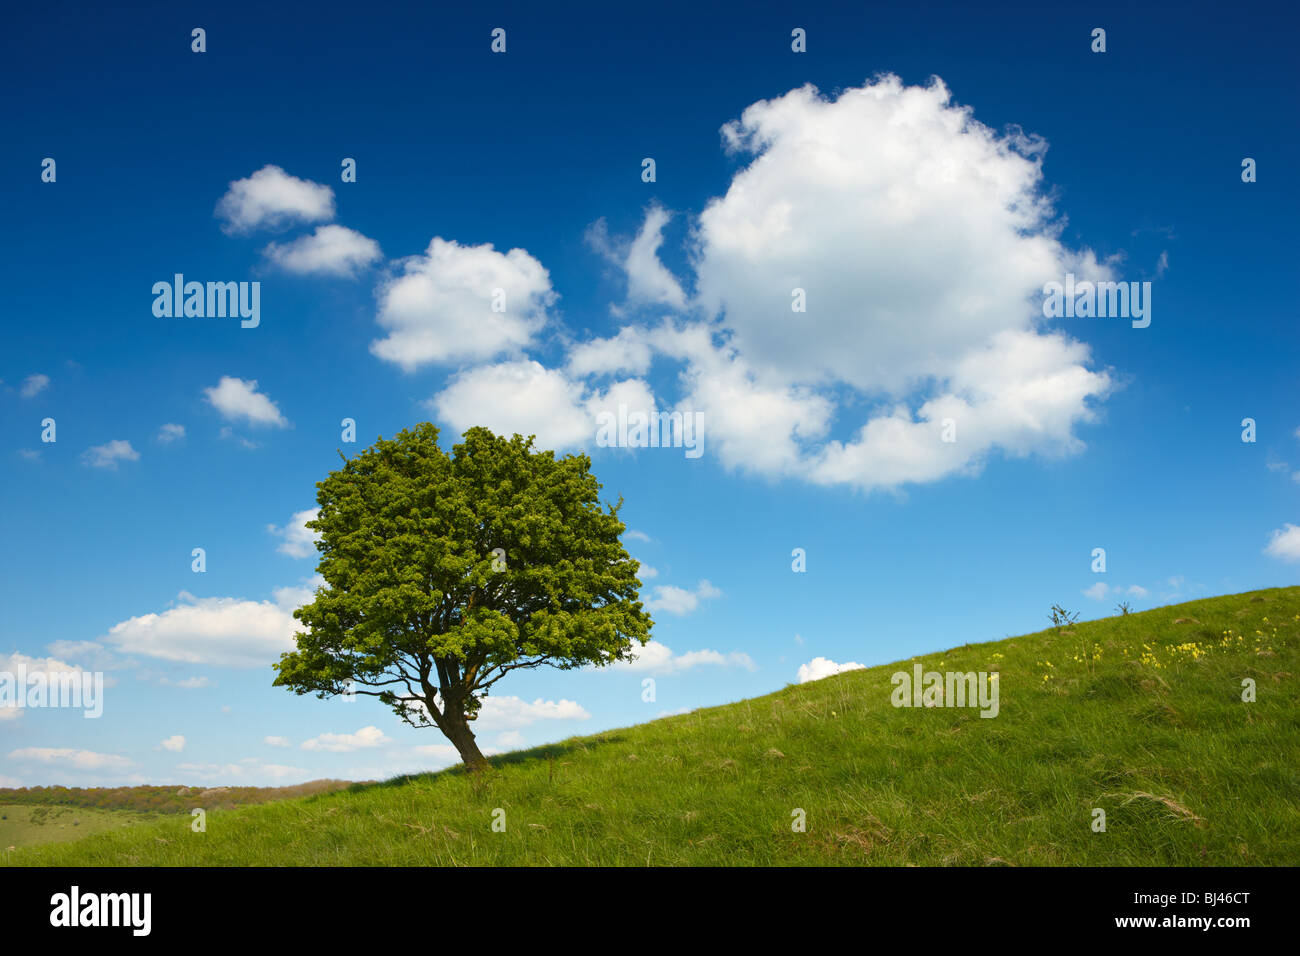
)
(445, 572)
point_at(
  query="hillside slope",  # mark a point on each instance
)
(1140, 716)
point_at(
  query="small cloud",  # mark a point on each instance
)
(277, 741)
(512, 713)
(645, 572)
(633, 535)
(170, 433)
(1100, 591)
(228, 434)
(28, 454)
(364, 738)
(297, 540)
(1284, 543)
(271, 199)
(189, 683)
(109, 454)
(71, 757)
(678, 601)
(33, 385)
(237, 399)
(658, 658)
(820, 667)
(330, 250)
(175, 743)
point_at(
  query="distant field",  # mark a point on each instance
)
(1140, 716)
(163, 799)
(26, 826)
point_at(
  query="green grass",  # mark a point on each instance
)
(29, 825)
(1137, 715)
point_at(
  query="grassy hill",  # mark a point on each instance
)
(1138, 715)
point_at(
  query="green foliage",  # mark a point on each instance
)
(1060, 617)
(446, 572)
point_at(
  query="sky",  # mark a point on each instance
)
(839, 263)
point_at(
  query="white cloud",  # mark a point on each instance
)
(277, 741)
(629, 351)
(170, 433)
(220, 631)
(1284, 543)
(917, 232)
(297, 540)
(679, 601)
(439, 307)
(648, 282)
(513, 713)
(760, 426)
(237, 399)
(633, 535)
(175, 743)
(270, 199)
(188, 683)
(1101, 590)
(1021, 393)
(527, 398)
(48, 666)
(51, 668)
(330, 250)
(658, 658)
(248, 771)
(922, 240)
(363, 739)
(820, 667)
(109, 454)
(33, 385)
(71, 758)
(293, 597)
(517, 397)
(645, 572)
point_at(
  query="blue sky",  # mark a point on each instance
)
(921, 235)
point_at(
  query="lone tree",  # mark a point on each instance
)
(446, 572)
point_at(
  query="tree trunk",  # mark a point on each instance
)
(458, 733)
